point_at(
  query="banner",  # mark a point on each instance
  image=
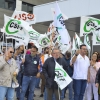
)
(14, 29)
(21, 15)
(61, 77)
(90, 25)
(87, 42)
(96, 40)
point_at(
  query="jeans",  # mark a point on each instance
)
(37, 82)
(45, 94)
(19, 78)
(79, 88)
(70, 88)
(62, 94)
(6, 91)
(31, 82)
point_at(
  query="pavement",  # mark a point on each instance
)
(37, 93)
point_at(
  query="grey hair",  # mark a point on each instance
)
(55, 49)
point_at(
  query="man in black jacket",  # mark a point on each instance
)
(30, 72)
(49, 73)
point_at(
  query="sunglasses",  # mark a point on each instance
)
(11, 52)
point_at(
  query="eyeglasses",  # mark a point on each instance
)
(11, 52)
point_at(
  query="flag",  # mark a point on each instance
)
(33, 35)
(15, 29)
(90, 25)
(77, 41)
(73, 46)
(81, 42)
(22, 15)
(60, 25)
(53, 14)
(87, 42)
(44, 41)
(61, 77)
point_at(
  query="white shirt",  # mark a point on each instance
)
(81, 67)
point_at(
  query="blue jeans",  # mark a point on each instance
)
(70, 88)
(79, 89)
(45, 94)
(6, 91)
(62, 94)
(19, 77)
(31, 82)
(37, 82)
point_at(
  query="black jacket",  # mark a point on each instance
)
(31, 65)
(49, 71)
(97, 80)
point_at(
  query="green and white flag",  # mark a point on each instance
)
(33, 35)
(96, 40)
(61, 77)
(73, 46)
(43, 40)
(77, 41)
(87, 42)
(15, 29)
(90, 25)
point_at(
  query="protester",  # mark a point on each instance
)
(49, 73)
(30, 72)
(8, 68)
(81, 63)
(97, 82)
(91, 88)
(19, 59)
(43, 58)
(70, 72)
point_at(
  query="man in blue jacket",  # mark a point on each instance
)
(30, 72)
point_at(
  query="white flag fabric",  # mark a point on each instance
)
(22, 15)
(90, 25)
(73, 46)
(53, 14)
(77, 41)
(87, 42)
(60, 25)
(96, 40)
(15, 29)
(43, 40)
(33, 35)
(61, 77)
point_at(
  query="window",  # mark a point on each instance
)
(27, 7)
(8, 4)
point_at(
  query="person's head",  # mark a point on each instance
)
(94, 57)
(9, 52)
(34, 50)
(46, 50)
(96, 52)
(20, 49)
(83, 49)
(68, 55)
(56, 53)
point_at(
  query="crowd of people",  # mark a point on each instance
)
(21, 72)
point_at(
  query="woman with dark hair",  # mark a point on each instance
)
(91, 88)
